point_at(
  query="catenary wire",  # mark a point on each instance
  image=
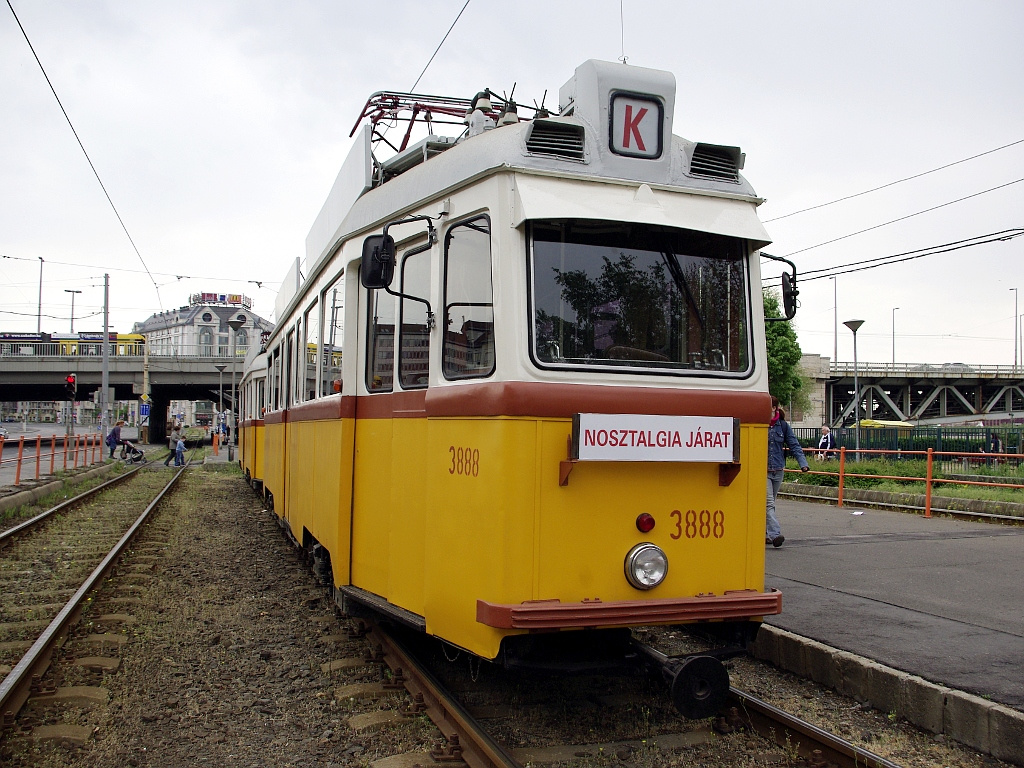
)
(894, 183)
(459, 16)
(861, 266)
(904, 218)
(84, 152)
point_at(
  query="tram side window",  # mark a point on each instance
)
(414, 358)
(380, 342)
(261, 398)
(334, 337)
(468, 349)
(286, 379)
(275, 379)
(311, 324)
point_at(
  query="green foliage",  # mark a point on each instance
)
(784, 378)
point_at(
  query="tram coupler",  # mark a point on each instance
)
(698, 683)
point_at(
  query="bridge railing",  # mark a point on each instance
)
(902, 370)
(22, 350)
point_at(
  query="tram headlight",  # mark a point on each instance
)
(646, 566)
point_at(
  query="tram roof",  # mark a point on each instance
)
(578, 146)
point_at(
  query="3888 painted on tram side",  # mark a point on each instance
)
(520, 396)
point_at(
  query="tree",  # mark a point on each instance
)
(784, 378)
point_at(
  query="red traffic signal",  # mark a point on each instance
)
(71, 385)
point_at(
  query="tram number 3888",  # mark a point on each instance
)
(698, 525)
(464, 461)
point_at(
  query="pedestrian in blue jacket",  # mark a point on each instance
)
(780, 436)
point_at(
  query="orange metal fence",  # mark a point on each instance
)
(930, 481)
(75, 451)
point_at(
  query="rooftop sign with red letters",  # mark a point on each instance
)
(636, 125)
(646, 437)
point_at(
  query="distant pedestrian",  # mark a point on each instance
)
(780, 436)
(114, 438)
(179, 452)
(826, 444)
(172, 444)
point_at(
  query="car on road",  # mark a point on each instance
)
(3, 433)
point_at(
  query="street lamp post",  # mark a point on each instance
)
(235, 325)
(220, 393)
(72, 291)
(1014, 329)
(854, 325)
(893, 338)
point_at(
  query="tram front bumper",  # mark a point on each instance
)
(554, 614)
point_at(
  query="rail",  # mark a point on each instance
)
(967, 460)
(80, 450)
(16, 686)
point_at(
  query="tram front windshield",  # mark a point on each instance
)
(627, 296)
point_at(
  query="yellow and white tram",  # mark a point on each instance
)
(252, 407)
(539, 398)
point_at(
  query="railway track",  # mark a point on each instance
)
(51, 565)
(470, 741)
(239, 658)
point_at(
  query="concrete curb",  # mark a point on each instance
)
(33, 494)
(983, 725)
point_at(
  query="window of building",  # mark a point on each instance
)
(205, 342)
(468, 318)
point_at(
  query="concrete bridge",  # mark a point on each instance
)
(185, 375)
(947, 393)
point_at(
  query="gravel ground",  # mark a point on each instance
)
(224, 664)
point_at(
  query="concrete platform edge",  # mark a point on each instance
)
(34, 493)
(990, 728)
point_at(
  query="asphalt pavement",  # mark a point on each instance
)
(938, 598)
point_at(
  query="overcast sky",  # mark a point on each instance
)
(217, 128)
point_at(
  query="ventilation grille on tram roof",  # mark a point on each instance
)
(557, 139)
(716, 162)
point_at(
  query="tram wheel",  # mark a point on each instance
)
(700, 687)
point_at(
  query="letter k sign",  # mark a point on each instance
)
(636, 126)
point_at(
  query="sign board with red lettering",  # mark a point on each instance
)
(646, 437)
(636, 125)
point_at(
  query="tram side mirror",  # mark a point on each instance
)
(378, 262)
(789, 294)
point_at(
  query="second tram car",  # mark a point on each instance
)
(539, 403)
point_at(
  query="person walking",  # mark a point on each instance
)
(780, 436)
(114, 438)
(179, 452)
(826, 444)
(172, 444)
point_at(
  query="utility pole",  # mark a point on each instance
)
(39, 312)
(105, 378)
(72, 291)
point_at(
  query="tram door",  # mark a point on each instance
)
(389, 478)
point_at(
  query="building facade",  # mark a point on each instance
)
(201, 328)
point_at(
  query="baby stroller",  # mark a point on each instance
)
(131, 454)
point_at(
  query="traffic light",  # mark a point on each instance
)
(71, 386)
